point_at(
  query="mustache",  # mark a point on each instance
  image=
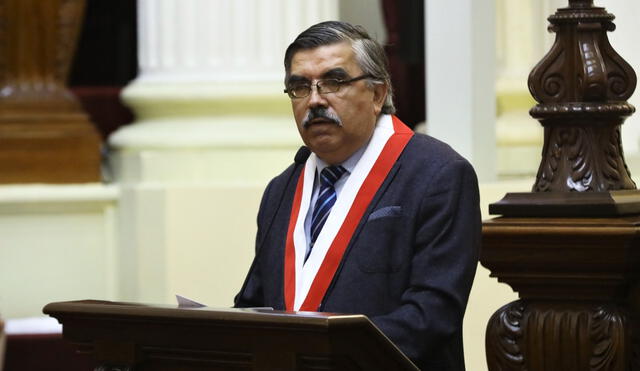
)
(321, 113)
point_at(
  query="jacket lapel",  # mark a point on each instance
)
(372, 206)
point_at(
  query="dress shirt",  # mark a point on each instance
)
(349, 165)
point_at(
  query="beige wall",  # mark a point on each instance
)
(58, 243)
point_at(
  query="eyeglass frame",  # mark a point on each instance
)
(318, 85)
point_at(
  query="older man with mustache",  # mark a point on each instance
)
(371, 218)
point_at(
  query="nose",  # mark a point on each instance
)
(315, 98)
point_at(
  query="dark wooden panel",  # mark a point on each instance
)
(169, 338)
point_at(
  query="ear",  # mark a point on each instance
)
(379, 96)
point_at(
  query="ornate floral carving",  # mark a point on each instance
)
(592, 80)
(503, 338)
(607, 336)
(582, 159)
(621, 77)
(582, 85)
(546, 81)
(566, 147)
(581, 39)
(526, 335)
(551, 154)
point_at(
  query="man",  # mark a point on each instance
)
(376, 219)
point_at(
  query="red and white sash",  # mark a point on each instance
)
(305, 284)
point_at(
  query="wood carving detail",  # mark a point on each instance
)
(581, 86)
(607, 335)
(583, 159)
(550, 336)
(592, 81)
(503, 338)
(549, 83)
(621, 77)
(601, 74)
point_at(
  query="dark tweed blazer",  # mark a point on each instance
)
(411, 262)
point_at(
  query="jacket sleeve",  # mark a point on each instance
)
(448, 232)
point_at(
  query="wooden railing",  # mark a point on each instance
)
(571, 247)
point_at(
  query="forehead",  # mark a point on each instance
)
(314, 62)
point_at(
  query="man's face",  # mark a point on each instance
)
(355, 105)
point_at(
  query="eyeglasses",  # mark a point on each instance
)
(324, 86)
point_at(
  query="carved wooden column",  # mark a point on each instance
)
(44, 134)
(571, 247)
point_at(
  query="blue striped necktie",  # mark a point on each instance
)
(326, 198)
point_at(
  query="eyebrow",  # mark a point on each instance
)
(297, 79)
(334, 73)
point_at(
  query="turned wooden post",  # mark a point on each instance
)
(44, 134)
(582, 86)
(571, 247)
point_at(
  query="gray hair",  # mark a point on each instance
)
(369, 53)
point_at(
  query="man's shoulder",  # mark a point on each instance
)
(425, 148)
(435, 163)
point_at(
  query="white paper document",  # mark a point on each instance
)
(188, 303)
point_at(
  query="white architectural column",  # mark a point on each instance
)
(461, 55)
(461, 77)
(625, 41)
(213, 126)
(521, 41)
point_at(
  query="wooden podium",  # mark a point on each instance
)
(129, 336)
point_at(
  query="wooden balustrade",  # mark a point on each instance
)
(44, 134)
(571, 247)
